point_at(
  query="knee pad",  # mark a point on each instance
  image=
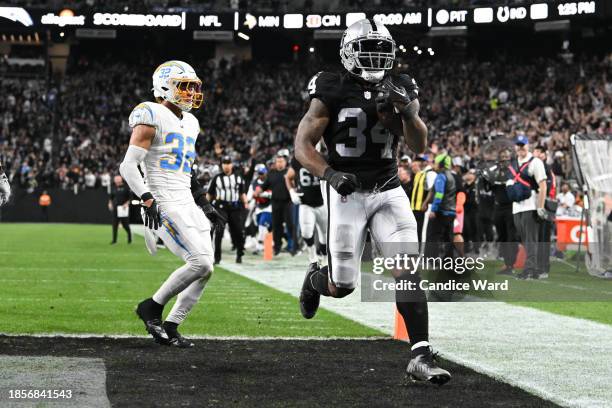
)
(309, 241)
(201, 265)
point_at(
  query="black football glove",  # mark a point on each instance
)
(405, 93)
(215, 217)
(343, 183)
(152, 214)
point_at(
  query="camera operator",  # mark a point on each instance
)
(546, 225)
(503, 218)
(526, 187)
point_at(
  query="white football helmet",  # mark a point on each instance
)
(177, 83)
(367, 50)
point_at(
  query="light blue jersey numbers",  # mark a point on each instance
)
(183, 152)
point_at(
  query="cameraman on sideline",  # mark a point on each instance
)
(526, 187)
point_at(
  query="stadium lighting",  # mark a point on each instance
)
(295, 48)
(431, 53)
(311, 49)
(416, 48)
(243, 36)
(419, 52)
(62, 34)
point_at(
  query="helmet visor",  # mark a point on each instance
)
(373, 53)
(189, 92)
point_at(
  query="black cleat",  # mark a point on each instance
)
(423, 367)
(152, 321)
(174, 337)
(525, 275)
(309, 299)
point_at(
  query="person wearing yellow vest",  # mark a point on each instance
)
(44, 201)
(418, 192)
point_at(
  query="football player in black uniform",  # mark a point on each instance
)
(311, 211)
(361, 114)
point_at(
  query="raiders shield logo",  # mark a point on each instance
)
(367, 94)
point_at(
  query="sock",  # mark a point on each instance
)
(312, 254)
(319, 281)
(170, 327)
(421, 347)
(412, 305)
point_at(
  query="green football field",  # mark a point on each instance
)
(65, 278)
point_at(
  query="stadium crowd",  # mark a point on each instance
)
(80, 128)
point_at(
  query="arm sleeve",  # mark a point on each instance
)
(197, 190)
(439, 185)
(212, 188)
(129, 169)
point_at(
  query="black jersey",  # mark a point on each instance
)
(307, 184)
(356, 140)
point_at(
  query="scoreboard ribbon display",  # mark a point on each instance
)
(18, 17)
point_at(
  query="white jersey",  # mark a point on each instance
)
(167, 165)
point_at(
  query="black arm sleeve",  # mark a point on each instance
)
(248, 177)
(197, 191)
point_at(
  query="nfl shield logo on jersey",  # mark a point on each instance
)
(367, 94)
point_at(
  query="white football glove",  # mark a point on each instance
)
(5, 189)
(295, 197)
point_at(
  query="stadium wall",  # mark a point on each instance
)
(88, 206)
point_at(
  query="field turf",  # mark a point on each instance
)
(63, 278)
(66, 278)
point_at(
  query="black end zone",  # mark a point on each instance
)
(217, 373)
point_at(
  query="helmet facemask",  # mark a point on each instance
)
(369, 57)
(187, 93)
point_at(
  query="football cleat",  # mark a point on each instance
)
(175, 338)
(309, 299)
(423, 367)
(152, 322)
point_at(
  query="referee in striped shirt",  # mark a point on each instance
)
(227, 192)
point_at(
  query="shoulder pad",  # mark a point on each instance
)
(143, 114)
(323, 84)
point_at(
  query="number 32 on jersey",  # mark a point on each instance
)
(183, 153)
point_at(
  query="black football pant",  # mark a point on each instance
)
(440, 236)
(281, 214)
(506, 234)
(125, 223)
(235, 223)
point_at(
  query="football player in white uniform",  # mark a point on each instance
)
(163, 143)
(5, 187)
